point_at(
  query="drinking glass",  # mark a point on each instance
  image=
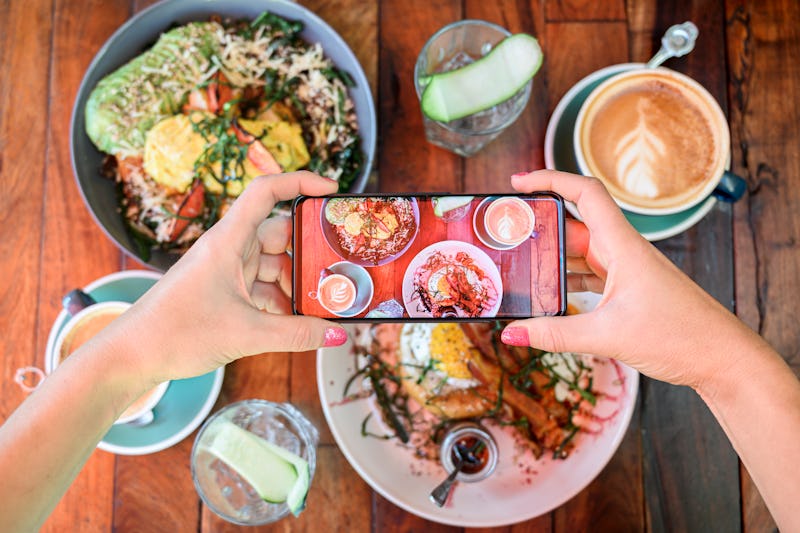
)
(456, 45)
(221, 488)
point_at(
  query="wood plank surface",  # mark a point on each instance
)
(615, 500)
(762, 43)
(690, 469)
(674, 471)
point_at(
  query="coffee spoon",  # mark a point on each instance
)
(677, 41)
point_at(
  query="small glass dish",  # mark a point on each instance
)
(224, 491)
(465, 435)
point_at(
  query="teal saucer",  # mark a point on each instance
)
(559, 155)
(186, 402)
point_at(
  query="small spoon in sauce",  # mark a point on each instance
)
(465, 459)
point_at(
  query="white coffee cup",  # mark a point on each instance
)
(82, 326)
(356, 286)
(640, 152)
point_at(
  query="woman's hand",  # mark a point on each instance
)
(230, 294)
(651, 315)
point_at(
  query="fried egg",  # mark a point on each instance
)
(438, 354)
(171, 148)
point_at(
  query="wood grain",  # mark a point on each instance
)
(586, 10)
(681, 468)
(760, 43)
(675, 470)
(407, 162)
(615, 500)
(357, 22)
(78, 245)
(23, 100)
(575, 50)
(520, 148)
(386, 516)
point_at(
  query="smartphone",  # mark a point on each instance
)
(429, 257)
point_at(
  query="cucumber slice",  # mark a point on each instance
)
(481, 85)
(276, 475)
(443, 204)
(296, 499)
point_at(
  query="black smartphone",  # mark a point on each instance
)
(429, 257)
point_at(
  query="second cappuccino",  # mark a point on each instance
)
(656, 138)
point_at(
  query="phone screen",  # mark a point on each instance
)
(381, 257)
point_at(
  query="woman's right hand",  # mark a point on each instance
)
(651, 316)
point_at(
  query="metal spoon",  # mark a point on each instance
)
(677, 41)
(442, 491)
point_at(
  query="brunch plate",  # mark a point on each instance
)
(521, 488)
(185, 403)
(559, 155)
(449, 249)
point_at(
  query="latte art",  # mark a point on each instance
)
(505, 226)
(509, 221)
(654, 139)
(639, 155)
(337, 293)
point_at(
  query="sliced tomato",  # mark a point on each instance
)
(242, 136)
(258, 154)
(191, 207)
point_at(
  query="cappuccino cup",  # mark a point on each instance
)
(336, 293)
(657, 140)
(509, 221)
(83, 326)
(344, 289)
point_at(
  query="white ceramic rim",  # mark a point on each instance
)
(549, 152)
(105, 280)
(52, 359)
(193, 424)
(700, 91)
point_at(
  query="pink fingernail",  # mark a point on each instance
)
(519, 174)
(515, 337)
(335, 337)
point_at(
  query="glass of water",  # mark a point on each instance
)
(456, 45)
(223, 490)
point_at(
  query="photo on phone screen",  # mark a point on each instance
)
(429, 257)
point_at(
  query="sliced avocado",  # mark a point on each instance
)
(130, 100)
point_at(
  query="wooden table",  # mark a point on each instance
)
(675, 470)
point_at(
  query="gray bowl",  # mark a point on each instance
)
(140, 32)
